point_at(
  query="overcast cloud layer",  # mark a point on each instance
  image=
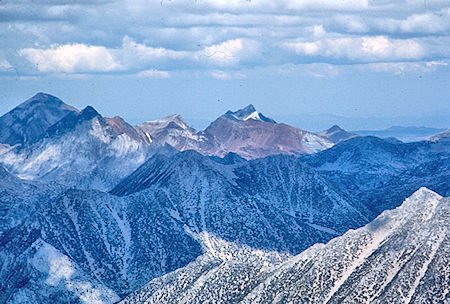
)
(223, 39)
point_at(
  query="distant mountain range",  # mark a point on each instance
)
(337, 134)
(317, 122)
(245, 132)
(406, 134)
(94, 210)
(87, 150)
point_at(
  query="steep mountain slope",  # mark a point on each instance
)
(277, 187)
(40, 273)
(176, 207)
(31, 119)
(81, 150)
(337, 134)
(400, 257)
(107, 244)
(179, 205)
(19, 198)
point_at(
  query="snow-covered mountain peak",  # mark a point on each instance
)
(249, 112)
(419, 200)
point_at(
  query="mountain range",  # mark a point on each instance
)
(86, 150)
(394, 259)
(245, 132)
(94, 210)
(406, 134)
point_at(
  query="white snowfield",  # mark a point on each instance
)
(403, 256)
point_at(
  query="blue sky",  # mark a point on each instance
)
(145, 59)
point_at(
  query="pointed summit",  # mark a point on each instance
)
(249, 112)
(172, 130)
(337, 134)
(335, 128)
(88, 113)
(32, 118)
(250, 108)
(72, 120)
(173, 121)
(42, 99)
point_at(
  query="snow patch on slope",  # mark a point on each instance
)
(61, 271)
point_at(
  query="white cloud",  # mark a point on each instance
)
(268, 5)
(132, 50)
(72, 58)
(426, 23)
(228, 53)
(5, 65)
(364, 48)
(153, 74)
(352, 23)
(221, 75)
(326, 4)
(81, 58)
(437, 22)
(400, 68)
(209, 35)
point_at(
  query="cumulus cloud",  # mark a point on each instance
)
(227, 53)
(81, 58)
(129, 37)
(428, 23)
(72, 58)
(364, 48)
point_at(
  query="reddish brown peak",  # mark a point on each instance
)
(120, 126)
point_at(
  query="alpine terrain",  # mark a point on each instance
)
(249, 210)
(400, 257)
